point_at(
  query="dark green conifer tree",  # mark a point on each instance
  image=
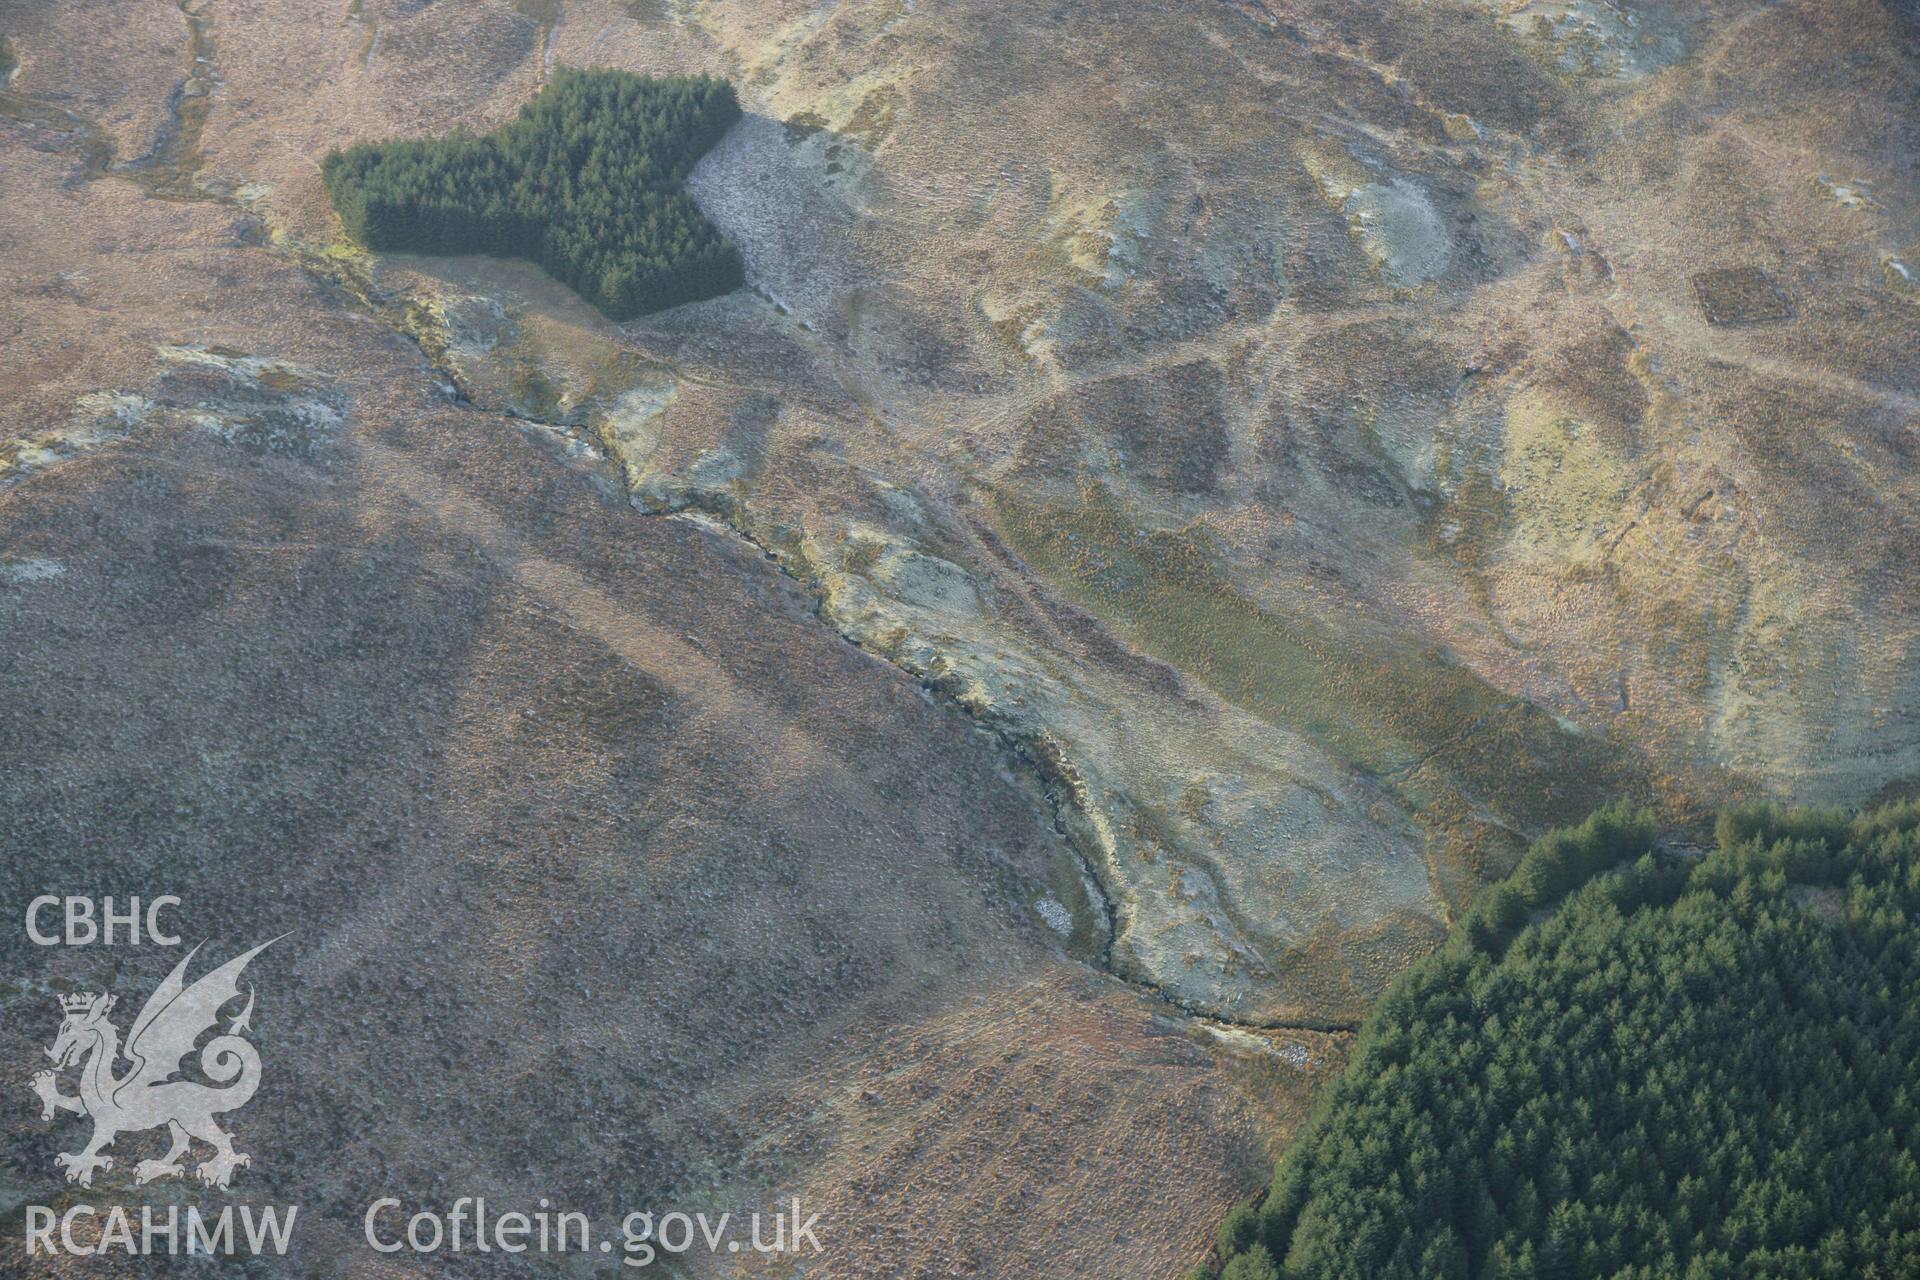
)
(587, 180)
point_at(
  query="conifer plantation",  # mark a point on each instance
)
(587, 181)
(1698, 1068)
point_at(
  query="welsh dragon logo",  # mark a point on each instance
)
(146, 1096)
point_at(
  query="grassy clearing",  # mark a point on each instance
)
(1401, 714)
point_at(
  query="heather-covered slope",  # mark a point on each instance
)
(1328, 444)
